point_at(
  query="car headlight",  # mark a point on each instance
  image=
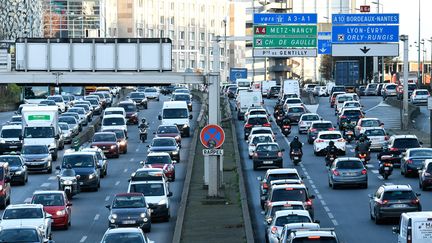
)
(113, 146)
(2, 141)
(18, 172)
(143, 215)
(123, 143)
(91, 176)
(113, 216)
(67, 182)
(177, 138)
(185, 126)
(1, 187)
(162, 202)
(175, 152)
(134, 114)
(61, 212)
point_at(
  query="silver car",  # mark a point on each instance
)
(347, 171)
(376, 135)
(282, 218)
(306, 121)
(420, 96)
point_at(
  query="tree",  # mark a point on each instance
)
(326, 67)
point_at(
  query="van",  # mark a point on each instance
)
(176, 113)
(414, 227)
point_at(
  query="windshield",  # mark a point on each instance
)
(163, 142)
(315, 239)
(158, 160)
(128, 107)
(11, 133)
(129, 202)
(19, 235)
(372, 86)
(390, 87)
(57, 99)
(13, 161)
(137, 95)
(68, 119)
(35, 149)
(349, 164)
(113, 121)
(118, 133)
(290, 219)
(262, 139)
(78, 160)
(86, 107)
(296, 109)
(398, 195)
(123, 238)
(310, 118)
(181, 97)
(406, 143)
(148, 189)
(23, 213)
(174, 113)
(342, 99)
(36, 92)
(55, 199)
(289, 194)
(375, 132)
(267, 148)
(421, 153)
(167, 129)
(104, 137)
(79, 111)
(330, 136)
(352, 104)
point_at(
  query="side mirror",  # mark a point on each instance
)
(142, 163)
(190, 117)
(396, 229)
(49, 216)
(269, 220)
(159, 117)
(78, 177)
(108, 206)
(58, 167)
(169, 194)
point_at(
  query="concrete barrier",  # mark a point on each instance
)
(413, 110)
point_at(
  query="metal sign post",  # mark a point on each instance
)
(429, 104)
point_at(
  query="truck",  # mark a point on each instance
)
(347, 73)
(246, 99)
(266, 85)
(415, 227)
(291, 86)
(40, 126)
(243, 82)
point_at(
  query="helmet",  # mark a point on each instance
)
(331, 143)
(362, 139)
(68, 166)
(296, 138)
(348, 119)
(385, 146)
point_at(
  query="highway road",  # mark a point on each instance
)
(89, 215)
(346, 209)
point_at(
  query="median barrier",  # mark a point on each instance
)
(413, 110)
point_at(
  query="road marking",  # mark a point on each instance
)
(349, 146)
(46, 184)
(52, 178)
(96, 217)
(370, 166)
(27, 200)
(380, 177)
(319, 196)
(326, 209)
(117, 183)
(330, 215)
(308, 177)
(311, 182)
(136, 150)
(313, 186)
(323, 202)
(125, 170)
(335, 222)
(84, 238)
(375, 171)
(316, 191)
(133, 159)
(107, 198)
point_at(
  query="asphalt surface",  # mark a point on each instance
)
(89, 215)
(347, 209)
(422, 122)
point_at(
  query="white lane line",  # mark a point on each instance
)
(313, 186)
(375, 171)
(84, 238)
(323, 202)
(311, 182)
(316, 191)
(46, 184)
(96, 217)
(107, 198)
(370, 166)
(305, 172)
(133, 159)
(136, 150)
(380, 177)
(330, 215)
(319, 196)
(117, 183)
(327, 209)
(308, 177)
(335, 222)
(125, 170)
(52, 178)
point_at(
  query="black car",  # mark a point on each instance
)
(131, 111)
(231, 93)
(267, 154)
(425, 175)
(390, 201)
(273, 92)
(139, 99)
(165, 90)
(398, 144)
(413, 160)
(183, 97)
(316, 127)
(354, 114)
(337, 89)
(17, 168)
(166, 144)
(378, 90)
(129, 210)
(85, 164)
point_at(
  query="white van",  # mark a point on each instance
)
(176, 113)
(415, 227)
(114, 121)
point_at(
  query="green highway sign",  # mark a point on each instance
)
(281, 42)
(286, 30)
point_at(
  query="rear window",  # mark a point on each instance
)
(267, 148)
(338, 89)
(310, 118)
(412, 86)
(423, 92)
(421, 153)
(350, 164)
(406, 143)
(391, 87)
(375, 132)
(258, 112)
(322, 125)
(330, 136)
(352, 112)
(372, 86)
(289, 194)
(342, 99)
(293, 101)
(274, 209)
(296, 109)
(290, 219)
(398, 195)
(370, 123)
(315, 239)
(273, 177)
(257, 120)
(261, 139)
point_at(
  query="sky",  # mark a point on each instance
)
(409, 17)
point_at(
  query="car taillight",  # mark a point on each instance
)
(393, 149)
(255, 155)
(409, 161)
(331, 129)
(286, 126)
(308, 202)
(267, 124)
(265, 185)
(341, 140)
(279, 154)
(343, 117)
(247, 125)
(274, 230)
(336, 173)
(319, 141)
(415, 201)
(383, 202)
(364, 172)
(313, 129)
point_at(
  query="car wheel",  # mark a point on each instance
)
(329, 184)
(49, 171)
(255, 167)
(377, 219)
(365, 186)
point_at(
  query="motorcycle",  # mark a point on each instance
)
(279, 120)
(286, 129)
(68, 182)
(364, 157)
(386, 166)
(329, 159)
(296, 156)
(143, 130)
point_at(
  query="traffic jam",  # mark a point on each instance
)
(293, 151)
(101, 127)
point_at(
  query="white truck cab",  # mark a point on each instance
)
(414, 227)
(176, 113)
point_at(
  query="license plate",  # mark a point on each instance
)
(13, 147)
(105, 150)
(386, 168)
(81, 183)
(296, 158)
(129, 222)
(399, 205)
(267, 162)
(350, 174)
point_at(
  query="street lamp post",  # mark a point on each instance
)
(430, 67)
(382, 58)
(419, 78)
(404, 38)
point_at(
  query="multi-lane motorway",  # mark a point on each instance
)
(345, 209)
(89, 215)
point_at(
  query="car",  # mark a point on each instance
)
(283, 96)
(420, 96)
(165, 144)
(157, 196)
(366, 122)
(354, 114)
(183, 97)
(347, 171)
(255, 111)
(148, 174)
(306, 121)
(332, 98)
(108, 97)
(17, 168)
(58, 99)
(102, 100)
(37, 158)
(361, 90)
(391, 200)
(115, 111)
(10, 138)
(170, 131)
(294, 112)
(323, 139)
(337, 88)
(27, 215)
(19, 233)
(88, 109)
(86, 105)
(113, 121)
(377, 136)
(413, 160)
(129, 234)
(151, 93)
(347, 105)
(139, 98)
(312, 236)
(267, 154)
(280, 206)
(309, 87)
(292, 102)
(316, 127)
(68, 133)
(413, 225)
(255, 121)
(16, 118)
(57, 205)
(231, 92)
(71, 121)
(281, 218)
(258, 138)
(379, 89)
(107, 141)
(131, 111)
(273, 92)
(85, 164)
(166, 90)
(400, 90)
(102, 160)
(129, 210)
(294, 227)
(398, 144)
(320, 91)
(97, 107)
(273, 175)
(121, 139)
(261, 130)
(389, 90)
(370, 89)
(342, 98)
(425, 175)
(82, 114)
(5, 187)
(163, 161)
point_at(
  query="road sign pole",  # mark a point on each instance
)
(405, 120)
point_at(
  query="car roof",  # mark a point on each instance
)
(419, 215)
(48, 192)
(283, 186)
(104, 133)
(281, 203)
(126, 102)
(289, 212)
(257, 116)
(78, 153)
(125, 194)
(92, 149)
(14, 126)
(282, 171)
(309, 114)
(114, 109)
(341, 159)
(157, 154)
(318, 232)
(24, 205)
(114, 116)
(352, 109)
(372, 128)
(261, 128)
(393, 187)
(269, 143)
(261, 135)
(404, 136)
(317, 122)
(418, 149)
(329, 132)
(123, 230)
(296, 106)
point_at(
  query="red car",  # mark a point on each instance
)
(56, 204)
(169, 131)
(160, 160)
(107, 141)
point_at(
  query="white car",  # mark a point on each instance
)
(282, 218)
(255, 111)
(349, 104)
(151, 93)
(114, 121)
(292, 102)
(306, 120)
(323, 139)
(260, 130)
(115, 110)
(377, 136)
(367, 122)
(58, 99)
(420, 96)
(341, 99)
(27, 215)
(258, 138)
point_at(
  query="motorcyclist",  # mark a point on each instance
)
(362, 146)
(296, 144)
(385, 151)
(143, 123)
(331, 150)
(348, 125)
